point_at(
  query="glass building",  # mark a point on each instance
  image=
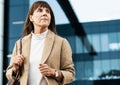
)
(1, 38)
(92, 30)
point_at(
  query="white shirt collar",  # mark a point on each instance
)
(40, 36)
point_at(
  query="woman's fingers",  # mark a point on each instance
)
(18, 61)
(46, 70)
(22, 57)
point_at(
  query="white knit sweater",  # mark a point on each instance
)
(36, 50)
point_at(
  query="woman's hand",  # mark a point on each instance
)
(17, 62)
(46, 70)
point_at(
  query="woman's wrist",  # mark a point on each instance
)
(58, 75)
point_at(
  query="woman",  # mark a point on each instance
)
(46, 58)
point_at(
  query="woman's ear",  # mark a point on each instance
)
(30, 17)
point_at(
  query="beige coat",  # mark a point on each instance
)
(56, 54)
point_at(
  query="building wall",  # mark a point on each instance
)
(104, 37)
(1, 38)
(17, 14)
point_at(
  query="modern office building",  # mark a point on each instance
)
(92, 30)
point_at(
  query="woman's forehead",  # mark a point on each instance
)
(40, 7)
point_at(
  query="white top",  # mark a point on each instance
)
(36, 50)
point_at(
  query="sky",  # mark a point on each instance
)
(96, 10)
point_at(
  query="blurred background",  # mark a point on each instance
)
(92, 28)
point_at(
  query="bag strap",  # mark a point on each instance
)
(20, 45)
(21, 68)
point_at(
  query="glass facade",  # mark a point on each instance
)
(17, 14)
(95, 54)
(1, 39)
(104, 37)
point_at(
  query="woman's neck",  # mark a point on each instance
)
(39, 30)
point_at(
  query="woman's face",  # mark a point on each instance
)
(41, 17)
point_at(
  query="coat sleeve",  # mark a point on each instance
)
(67, 66)
(9, 71)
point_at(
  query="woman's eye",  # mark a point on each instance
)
(48, 11)
(40, 10)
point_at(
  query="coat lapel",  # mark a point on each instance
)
(26, 49)
(26, 43)
(48, 46)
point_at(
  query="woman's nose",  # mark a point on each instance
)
(44, 13)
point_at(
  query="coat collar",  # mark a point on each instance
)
(48, 46)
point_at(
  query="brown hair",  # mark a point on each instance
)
(28, 26)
